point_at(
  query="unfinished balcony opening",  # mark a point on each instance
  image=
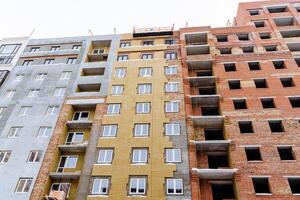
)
(222, 190)
(200, 73)
(294, 46)
(213, 134)
(290, 33)
(284, 21)
(196, 39)
(200, 68)
(97, 71)
(197, 50)
(98, 51)
(210, 111)
(207, 90)
(93, 87)
(277, 9)
(204, 85)
(217, 160)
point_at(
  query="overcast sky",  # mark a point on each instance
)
(58, 18)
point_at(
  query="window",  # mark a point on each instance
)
(243, 36)
(277, 9)
(174, 186)
(254, 66)
(24, 111)
(287, 82)
(253, 12)
(222, 38)
(100, 186)
(170, 55)
(65, 187)
(74, 138)
(10, 93)
(34, 156)
(105, 156)
(66, 75)
(294, 183)
(265, 36)
(44, 131)
(286, 152)
(260, 83)
(137, 185)
(60, 91)
(225, 51)
(67, 162)
(109, 130)
(9, 48)
(41, 76)
(120, 72)
(148, 43)
(171, 70)
(245, 127)
(52, 110)
(122, 57)
(49, 61)
(248, 49)
(33, 93)
(229, 67)
(34, 49)
(278, 64)
(139, 156)
(261, 185)
(145, 71)
(98, 51)
(4, 156)
(54, 48)
(124, 44)
(6, 60)
(297, 60)
(144, 88)
(141, 130)
(71, 60)
(276, 126)
(81, 116)
(2, 109)
(295, 102)
(117, 89)
(173, 155)
(147, 56)
(171, 106)
(23, 185)
(170, 42)
(234, 84)
(239, 104)
(76, 47)
(19, 77)
(113, 108)
(270, 48)
(27, 62)
(142, 107)
(267, 102)
(172, 129)
(259, 24)
(253, 154)
(171, 87)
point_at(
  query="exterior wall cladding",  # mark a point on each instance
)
(232, 92)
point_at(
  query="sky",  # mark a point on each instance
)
(60, 18)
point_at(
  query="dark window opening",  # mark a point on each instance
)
(240, 104)
(230, 67)
(294, 183)
(234, 84)
(204, 73)
(254, 66)
(259, 24)
(207, 91)
(221, 191)
(222, 38)
(254, 12)
(217, 160)
(297, 60)
(287, 82)
(277, 9)
(207, 111)
(248, 49)
(278, 64)
(267, 102)
(213, 134)
(276, 126)
(286, 153)
(253, 153)
(225, 51)
(270, 48)
(295, 102)
(243, 37)
(246, 127)
(260, 83)
(265, 36)
(261, 185)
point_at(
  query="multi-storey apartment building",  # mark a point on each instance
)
(199, 113)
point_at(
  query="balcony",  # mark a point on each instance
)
(152, 31)
(192, 39)
(211, 145)
(73, 148)
(200, 68)
(205, 100)
(79, 124)
(56, 195)
(98, 51)
(215, 174)
(65, 175)
(197, 49)
(207, 121)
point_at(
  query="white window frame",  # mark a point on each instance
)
(65, 75)
(27, 62)
(173, 153)
(143, 107)
(171, 87)
(71, 60)
(147, 56)
(140, 181)
(171, 128)
(113, 109)
(52, 110)
(37, 155)
(73, 138)
(4, 156)
(108, 156)
(172, 184)
(33, 93)
(24, 111)
(103, 183)
(145, 88)
(41, 76)
(10, 93)
(49, 61)
(19, 77)
(25, 186)
(14, 132)
(43, 131)
(172, 106)
(124, 44)
(120, 72)
(59, 91)
(144, 129)
(138, 156)
(171, 55)
(2, 110)
(80, 118)
(145, 71)
(117, 89)
(66, 163)
(34, 49)
(109, 130)
(76, 47)
(55, 48)
(171, 70)
(123, 57)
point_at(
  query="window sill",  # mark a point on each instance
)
(263, 194)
